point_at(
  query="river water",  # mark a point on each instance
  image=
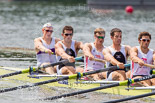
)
(21, 22)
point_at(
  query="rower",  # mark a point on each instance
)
(67, 49)
(140, 55)
(94, 50)
(116, 54)
(44, 47)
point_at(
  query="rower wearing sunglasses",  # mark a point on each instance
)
(94, 51)
(116, 54)
(45, 48)
(140, 55)
(67, 49)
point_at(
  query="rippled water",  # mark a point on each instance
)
(21, 22)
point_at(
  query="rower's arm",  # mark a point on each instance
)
(87, 50)
(128, 50)
(56, 40)
(134, 55)
(79, 45)
(153, 57)
(38, 45)
(108, 57)
(60, 51)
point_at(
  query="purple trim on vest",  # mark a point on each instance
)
(53, 50)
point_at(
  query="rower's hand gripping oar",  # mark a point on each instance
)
(121, 83)
(61, 78)
(35, 69)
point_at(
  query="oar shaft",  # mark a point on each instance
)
(144, 78)
(81, 92)
(10, 74)
(131, 98)
(35, 84)
(149, 65)
(99, 60)
(53, 64)
(100, 70)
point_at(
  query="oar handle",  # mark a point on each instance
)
(51, 52)
(125, 65)
(99, 60)
(79, 58)
(149, 65)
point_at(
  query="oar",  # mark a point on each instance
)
(149, 65)
(121, 83)
(62, 78)
(131, 98)
(40, 76)
(35, 69)
(99, 60)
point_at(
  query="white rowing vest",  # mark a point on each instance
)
(72, 47)
(136, 69)
(94, 65)
(70, 51)
(43, 57)
(121, 56)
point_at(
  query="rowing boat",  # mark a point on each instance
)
(120, 90)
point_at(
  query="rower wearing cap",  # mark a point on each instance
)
(94, 51)
(116, 54)
(45, 48)
(67, 49)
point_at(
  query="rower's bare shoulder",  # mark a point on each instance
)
(37, 41)
(128, 46)
(134, 50)
(106, 51)
(79, 44)
(58, 44)
(87, 44)
(57, 40)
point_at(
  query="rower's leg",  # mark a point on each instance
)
(118, 75)
(152, 81)
(128, 74)
(95, 76)
(49, 70)
(102, 75)
(145, 82)
(79, 69)
(68, 70)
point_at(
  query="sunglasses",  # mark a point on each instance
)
(100, 37)
(144, 40)
(49, 31)
(68, 34)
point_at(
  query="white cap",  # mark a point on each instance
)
(47, 25)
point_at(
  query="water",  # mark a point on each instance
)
(21, 23)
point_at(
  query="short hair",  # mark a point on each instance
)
(144, 34)
(99, 30)
(115, 30)
(67, 28)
